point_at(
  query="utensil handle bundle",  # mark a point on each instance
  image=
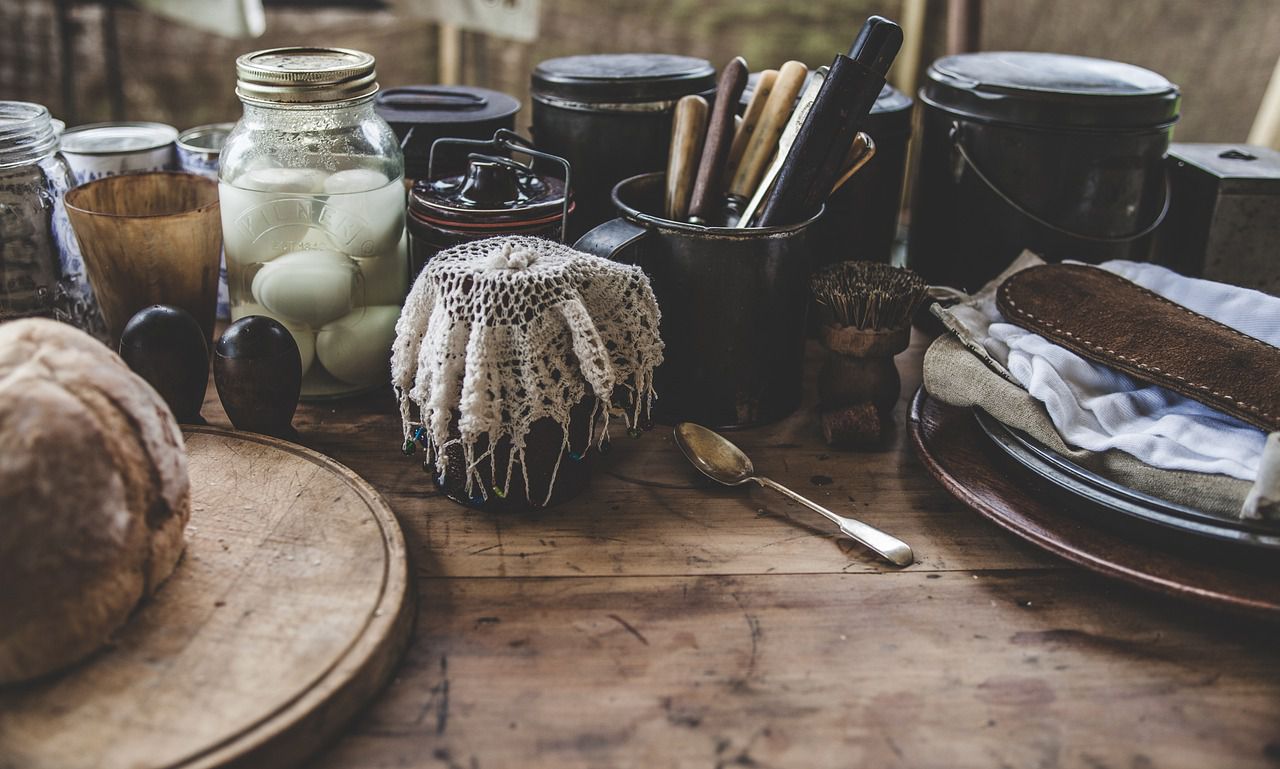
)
(764, 141)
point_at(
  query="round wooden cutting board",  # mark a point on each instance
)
(286, 614)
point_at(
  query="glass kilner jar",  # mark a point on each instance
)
(312, 194)
(41, 271)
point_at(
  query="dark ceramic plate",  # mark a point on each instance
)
(1092, 487)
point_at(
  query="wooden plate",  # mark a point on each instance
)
(285, 615)
(958, 454)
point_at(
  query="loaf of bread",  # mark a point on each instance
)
(94, 495)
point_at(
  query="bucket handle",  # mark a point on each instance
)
(1150, 228)
(611, 239)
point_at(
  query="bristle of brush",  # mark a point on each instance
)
(868, 295)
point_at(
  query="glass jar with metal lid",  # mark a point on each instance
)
(311, 186)
(41, 271)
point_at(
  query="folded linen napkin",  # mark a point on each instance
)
(954, 375)
(1098, 410)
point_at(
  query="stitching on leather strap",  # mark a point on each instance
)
(1052, 326)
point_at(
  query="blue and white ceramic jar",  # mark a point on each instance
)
(198, 151)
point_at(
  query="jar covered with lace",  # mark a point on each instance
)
(511, 356)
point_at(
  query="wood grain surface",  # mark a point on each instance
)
(287, 613)
(657, 621)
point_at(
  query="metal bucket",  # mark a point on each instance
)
(733, 307)
(1063, 155)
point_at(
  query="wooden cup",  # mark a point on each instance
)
(150, 238)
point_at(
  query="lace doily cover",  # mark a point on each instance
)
(499, 333)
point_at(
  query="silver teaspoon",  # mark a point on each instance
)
(721, 461)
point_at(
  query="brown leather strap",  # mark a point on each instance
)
(1105, 318)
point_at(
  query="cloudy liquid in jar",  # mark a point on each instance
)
(324, 254)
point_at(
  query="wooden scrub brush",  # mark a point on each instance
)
(864, 313)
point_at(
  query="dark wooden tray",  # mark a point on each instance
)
(955, 450)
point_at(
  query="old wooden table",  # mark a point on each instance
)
(658, 621)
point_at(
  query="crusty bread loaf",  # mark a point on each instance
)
(94, 495)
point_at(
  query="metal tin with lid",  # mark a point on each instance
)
(1059, 154)
(1051, 90)
(301, 75)
(200, 147)
(1224, 221)
(495, 195)
(420, 114)
(861, 220)
(104, 149)
(610, 116)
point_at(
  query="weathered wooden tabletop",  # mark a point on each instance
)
(660, 621)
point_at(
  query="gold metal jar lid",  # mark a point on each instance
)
(302, 75)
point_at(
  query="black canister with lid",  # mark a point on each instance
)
(1059, 154)
(861, 219)
(610, 115)
(420, 114)
(495, 196)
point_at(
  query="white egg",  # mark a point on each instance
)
(309, 288)
(311, 180)
(260, 225)
(365, 223)
(305, 337)
(386, 278)
(355, 180)
(357, 348)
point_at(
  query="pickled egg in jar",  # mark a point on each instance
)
(312, 199)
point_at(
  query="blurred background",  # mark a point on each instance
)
(93, 61)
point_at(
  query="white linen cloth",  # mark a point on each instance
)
(1097, 408)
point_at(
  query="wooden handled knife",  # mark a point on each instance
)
(687, 131)
(750, 119)
(764, 141)
(707, 187)
(815, 160)
(785, 142)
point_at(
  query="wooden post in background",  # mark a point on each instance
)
(906, 69)
(964, 26)
(450, 54)
(66, 61)
(111, 55)
(1266, 125)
